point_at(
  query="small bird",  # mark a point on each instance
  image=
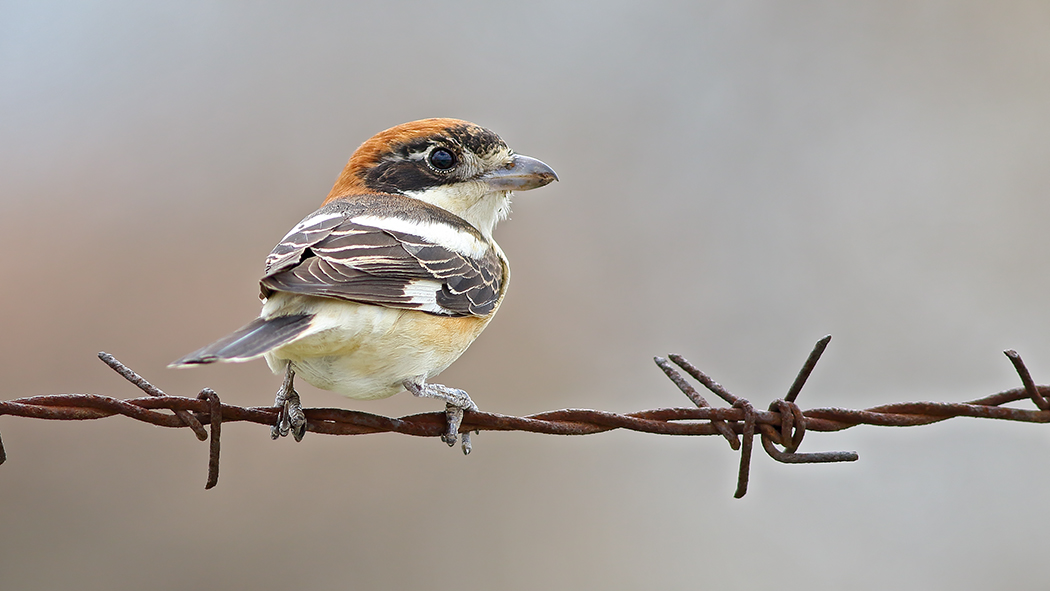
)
(394, 276)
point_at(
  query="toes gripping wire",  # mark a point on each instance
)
(781, 427)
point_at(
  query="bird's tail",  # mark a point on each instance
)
(250, 341)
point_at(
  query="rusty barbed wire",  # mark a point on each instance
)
(781, 428)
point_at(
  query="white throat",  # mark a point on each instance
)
(470, 200)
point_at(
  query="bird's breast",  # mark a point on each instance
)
(366, 352)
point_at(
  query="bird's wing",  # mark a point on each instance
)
(431, 266)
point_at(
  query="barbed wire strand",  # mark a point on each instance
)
(781, 428)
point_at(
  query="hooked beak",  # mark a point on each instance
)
(520, 174)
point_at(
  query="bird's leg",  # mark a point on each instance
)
(456, 401)
(290, 417)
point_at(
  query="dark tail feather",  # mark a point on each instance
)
(250, 341)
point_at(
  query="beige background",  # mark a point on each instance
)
(738, 179)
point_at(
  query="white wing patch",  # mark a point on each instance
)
(397, 260)
(312, 220)
(454, 239)
(423, 292)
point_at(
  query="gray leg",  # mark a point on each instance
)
(291, 417)
(456, 401)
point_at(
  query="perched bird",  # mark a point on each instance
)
(394, 276)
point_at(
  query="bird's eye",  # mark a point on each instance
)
(442, 159)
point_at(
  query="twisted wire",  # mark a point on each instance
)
(781, 428)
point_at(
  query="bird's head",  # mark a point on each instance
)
(453, 164)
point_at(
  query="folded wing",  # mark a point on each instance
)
(440, 266)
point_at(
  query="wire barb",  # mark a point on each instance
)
(807, 368)
(703, 378)
(744, 474)
(791, 420)
(215, 419)
(1026, 379)
(783, 424)
(129, 375)
(697, 399)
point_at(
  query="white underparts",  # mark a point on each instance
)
(363, 351)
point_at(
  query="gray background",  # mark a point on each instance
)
(738, 179)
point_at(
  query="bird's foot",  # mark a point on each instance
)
(456, 401)
(290, 418)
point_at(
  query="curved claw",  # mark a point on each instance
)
(290, 418)
(456, 402)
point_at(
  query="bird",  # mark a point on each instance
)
(393, 277)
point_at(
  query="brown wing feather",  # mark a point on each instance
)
(341, 259)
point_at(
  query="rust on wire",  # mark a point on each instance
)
(215, 416)
(1026, 379)
(129, 375)
(807, 368)
(781, 428)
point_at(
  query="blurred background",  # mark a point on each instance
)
(738, 179)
